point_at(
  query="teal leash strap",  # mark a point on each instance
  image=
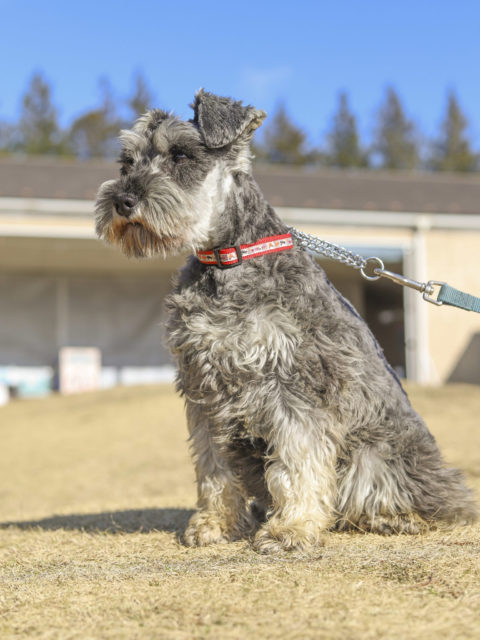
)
(455, 298)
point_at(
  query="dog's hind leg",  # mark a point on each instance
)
(405, 489)
(372, 495)
(223, 511)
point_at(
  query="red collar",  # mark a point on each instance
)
(234, 256)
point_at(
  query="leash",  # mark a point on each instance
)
(373, 269)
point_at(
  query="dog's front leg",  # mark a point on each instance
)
(301, 479)
(223, 514)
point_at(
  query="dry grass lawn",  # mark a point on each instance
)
(95, 491)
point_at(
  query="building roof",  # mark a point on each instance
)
(319, 188)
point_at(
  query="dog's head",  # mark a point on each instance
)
(175, 177)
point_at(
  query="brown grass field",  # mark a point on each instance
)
(96, 489)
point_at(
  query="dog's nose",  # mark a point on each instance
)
(124, 204)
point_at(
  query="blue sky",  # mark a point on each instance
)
(301, 51)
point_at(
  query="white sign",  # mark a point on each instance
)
(79, 369)
(4, 395)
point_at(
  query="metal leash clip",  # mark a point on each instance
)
(427, 288)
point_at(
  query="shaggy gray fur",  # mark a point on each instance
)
(297, 424)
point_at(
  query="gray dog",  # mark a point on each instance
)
(297, 423)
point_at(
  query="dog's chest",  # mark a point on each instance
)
(230, 342)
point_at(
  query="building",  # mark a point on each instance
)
(60, 286)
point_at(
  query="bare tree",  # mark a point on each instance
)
(141, 99)
(38, 131)
(94, 134)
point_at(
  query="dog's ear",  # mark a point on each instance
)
(223, 120)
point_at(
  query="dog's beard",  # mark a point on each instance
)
(138, 241)
(137, 236)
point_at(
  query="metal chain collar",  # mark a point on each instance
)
(328, 249)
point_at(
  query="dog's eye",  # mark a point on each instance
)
(125, 159)
(179, 156)
(127, 162)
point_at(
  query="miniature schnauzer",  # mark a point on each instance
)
(297, 423)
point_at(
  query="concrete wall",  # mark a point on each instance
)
(454, 335)
(56, 239)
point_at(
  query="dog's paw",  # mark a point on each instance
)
(275, 537)
(204, 529)
(410, 524)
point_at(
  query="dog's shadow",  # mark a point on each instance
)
(114, 522)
